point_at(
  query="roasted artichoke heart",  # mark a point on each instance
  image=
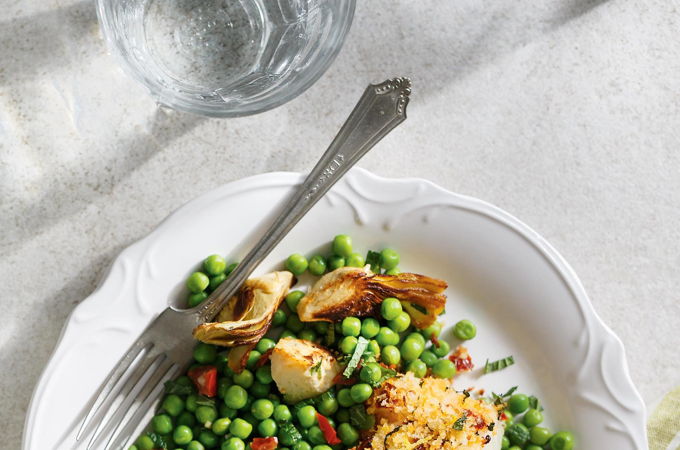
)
(247, 315)
(351, 291)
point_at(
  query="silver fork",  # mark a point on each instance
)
(115, 414)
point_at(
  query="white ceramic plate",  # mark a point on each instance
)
(524, 298)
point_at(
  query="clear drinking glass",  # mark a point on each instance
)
(225, 57)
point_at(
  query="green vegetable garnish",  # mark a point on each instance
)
(460, 422)
(498, 365)
(158, 440)
(359, 418)
(173, 387)
(373, 258)
(359, 350)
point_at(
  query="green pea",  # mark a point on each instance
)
(206, 415)
(282, 414)
(532, 418)
(518, 434)
(351, 326)
(348, 344)
(267, 428)
(265, 344)
(208, 438)
(293, 298)
(307, 335)
(307, 416)
(336, 262)
(222, 386)
(317, 265)
(401, 322)
(348, 434)
(216, 281)
(428, 358)
(328, 406)
(279, 318)
(262, 409)
(442, 350)
(355, 260)
(444, 369)
(370, 373)
(518, 403)
(240, 428)
(182, 435)
(228, 412)
(221, 426)
(394, 271)
(539, 435)
(315, 435)
(197, 282)
(361, 392)
(433, 330)
(390, 308)
(389, 259)
(144, 442)
(264, 374)
(233, 443)
(173, 405)
(294, 324)
(533, 447)
(505, 443)
(259, 390)
(195, 445)
(345, 398)
(161, 424)
(390, 355)
(297, 264)
(374, 347)
(562, 440)
(515, 447)
(214, 265)
(287, 334)
(411, 349)
(342, 245)
(244, 379)
(464, 330)
(191, 404)
(417, 336)
(418, 368)
(236, 397)
(196, 299)
(186, 418)
(253, 358)
(387, 336)
(370, 328)
(205, 353)
(508, 416)
(321, 447)
(302, 445)
(230, 268)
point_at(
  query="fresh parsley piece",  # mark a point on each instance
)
(205, 401)
(419, 308)
(491, 426)
(290, 433)
(499, 399)
(373, 258)
(173, 387)
(534, 403)
(498, 365)
(316, 368)
(460, 422)
(360, 419)
(158, 441)
(356, 356)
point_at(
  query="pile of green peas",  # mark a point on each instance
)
(249, 405)
(523, 430)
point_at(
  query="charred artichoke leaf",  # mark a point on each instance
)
(248, 315)
(351, 291)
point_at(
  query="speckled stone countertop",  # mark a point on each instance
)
(562, 112)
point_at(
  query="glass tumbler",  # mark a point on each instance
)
(225, 58)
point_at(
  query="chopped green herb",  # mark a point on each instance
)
(359, 418)
(316, 368)
(173, 387)
(205, 401)
(466, 393)
(535, 403)
(291, 433)
(419, 308)
(373, 258)
(491, 426)
(499, 399)
(158, 441)
(498, 365)
(397, 428)
(362, 343)
(460, 422)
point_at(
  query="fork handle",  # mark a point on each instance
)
(381, 108)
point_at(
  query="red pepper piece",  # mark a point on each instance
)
(205, 379)
(327, 430)
(264, 359)
(269, 443)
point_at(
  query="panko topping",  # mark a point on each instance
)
(427, 413)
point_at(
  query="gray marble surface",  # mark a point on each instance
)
(563, 112)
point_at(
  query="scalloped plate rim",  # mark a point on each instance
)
(460, 200)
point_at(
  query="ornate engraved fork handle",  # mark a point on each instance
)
(381, 108)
